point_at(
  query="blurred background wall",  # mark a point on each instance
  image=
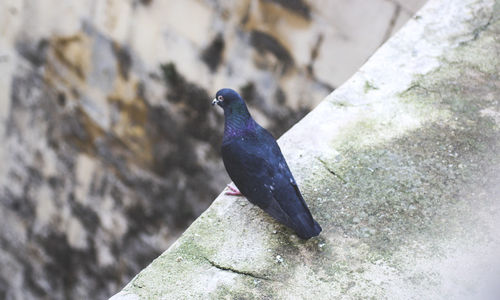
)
(109, 147)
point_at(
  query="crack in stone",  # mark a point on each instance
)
(229, 269)
(331, 171)
(481, 28)
(414, 86)
(477, 31)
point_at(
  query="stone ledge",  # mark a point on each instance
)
(400, 167)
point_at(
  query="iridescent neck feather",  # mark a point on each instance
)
(238, 121)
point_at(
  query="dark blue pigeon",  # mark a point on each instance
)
(257, 167)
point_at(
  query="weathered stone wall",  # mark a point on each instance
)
(400, 166)
(108, 147)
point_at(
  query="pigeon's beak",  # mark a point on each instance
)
(215, 101)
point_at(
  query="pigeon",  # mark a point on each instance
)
(255, 164)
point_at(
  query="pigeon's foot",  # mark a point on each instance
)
(233, 191)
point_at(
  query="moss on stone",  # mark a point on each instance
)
(408, 184)
(369, 86)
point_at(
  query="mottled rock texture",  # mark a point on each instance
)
(108, 146)
(400, 166)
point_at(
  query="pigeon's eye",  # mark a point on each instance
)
(220, 98)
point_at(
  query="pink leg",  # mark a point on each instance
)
(233, 191)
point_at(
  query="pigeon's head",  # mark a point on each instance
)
(228, 99)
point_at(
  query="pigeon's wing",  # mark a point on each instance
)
(246, 162)
(249, 168)
(257, 167)
(287, 194)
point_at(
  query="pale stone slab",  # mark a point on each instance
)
(400, 166)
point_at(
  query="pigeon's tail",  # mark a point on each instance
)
(306, 227)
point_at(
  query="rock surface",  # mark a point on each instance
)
(108, 146)
(401, 167)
